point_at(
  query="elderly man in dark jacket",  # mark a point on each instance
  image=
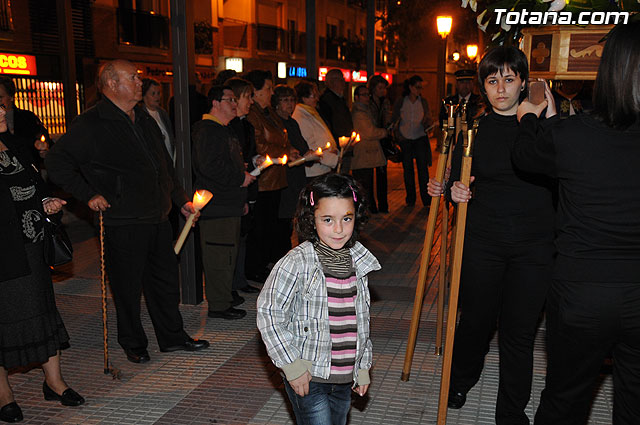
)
(219, 167)
(113, 158)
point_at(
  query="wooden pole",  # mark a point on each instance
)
(461, 219)
(442, 284)
(426, 251)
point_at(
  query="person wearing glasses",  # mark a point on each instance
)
(412, 118)
(219, 167)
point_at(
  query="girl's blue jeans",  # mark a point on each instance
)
(326, 404)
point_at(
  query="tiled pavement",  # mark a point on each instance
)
(234, 382)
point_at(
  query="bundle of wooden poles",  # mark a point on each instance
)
(444, 160)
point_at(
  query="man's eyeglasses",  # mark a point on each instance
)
(230, 99)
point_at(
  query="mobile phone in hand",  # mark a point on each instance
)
(536, 92)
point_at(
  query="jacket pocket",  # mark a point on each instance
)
(310, 289)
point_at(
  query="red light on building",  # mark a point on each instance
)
(359, 76)
(387, 77)
(12, 63)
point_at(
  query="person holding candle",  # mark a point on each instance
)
(113, 158)
(314, 130)
(284, 101)
(271, 139)
(334, 110)
(247, 138)
(313, 311)
(367, 153)
(219, 167)
(24, 124)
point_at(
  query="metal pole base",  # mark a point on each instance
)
(438, 351)
(404, 377)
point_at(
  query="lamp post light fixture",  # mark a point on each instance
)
(444, 25)
(472, 51)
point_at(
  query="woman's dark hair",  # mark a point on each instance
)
(147, 83)
(239, 86)
(280, 92)
(410, 82)
(304, 90)
(329, 186)
(9, 86)
(257, 77)
(375, 80)
(224, 76)
(500, 58)
(616, 94)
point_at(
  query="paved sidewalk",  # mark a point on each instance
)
(234, 382)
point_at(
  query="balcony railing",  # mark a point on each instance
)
(143, 29)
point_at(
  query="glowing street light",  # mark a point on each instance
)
(444, 25)
(472, 51)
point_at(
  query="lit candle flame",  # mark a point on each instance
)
(328, 145)
(283, 160)
(267, 162)
(319, 151)
(42, 138)
(357, 138)
(353, 134)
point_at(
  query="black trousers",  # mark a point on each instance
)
(504, 284)
(585, 322)
(365, 178)
(421, 151)
(140, 260)
(264, 236)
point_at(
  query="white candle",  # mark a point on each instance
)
(267, 162)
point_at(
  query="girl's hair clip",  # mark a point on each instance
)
(355, 198)
(313, 203)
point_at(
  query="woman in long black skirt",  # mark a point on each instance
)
(31, 329)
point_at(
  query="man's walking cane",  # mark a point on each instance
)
(103, 287)
(461, 218)
(447, 135)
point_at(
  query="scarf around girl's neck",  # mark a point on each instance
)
(336, 261)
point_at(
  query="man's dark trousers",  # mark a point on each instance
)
(140, 260)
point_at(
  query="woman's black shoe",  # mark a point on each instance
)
(456, 399)
(11, 413)
(68, 397)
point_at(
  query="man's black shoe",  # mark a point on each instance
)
(189, 345)
(11, 413)
(237, 299)
(250, 289)
(456, 399)
(228, 314)
(137, 356)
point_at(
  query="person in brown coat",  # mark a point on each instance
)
(271, 139)
(367, 153)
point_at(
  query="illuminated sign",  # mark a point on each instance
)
(355, 76)
(297, 71)
(12, 63)
(234, 63)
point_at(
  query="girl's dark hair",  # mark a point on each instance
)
(280, 92)
(147, 83)
(375, 80)
(409, 82)
(239, 86)
(616, 94)
(499, 58)
(303, 90)
(329, 186)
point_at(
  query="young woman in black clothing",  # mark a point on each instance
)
(508, 251)
(593, 307)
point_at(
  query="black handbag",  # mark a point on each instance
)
(391, 150)
(57, 245)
